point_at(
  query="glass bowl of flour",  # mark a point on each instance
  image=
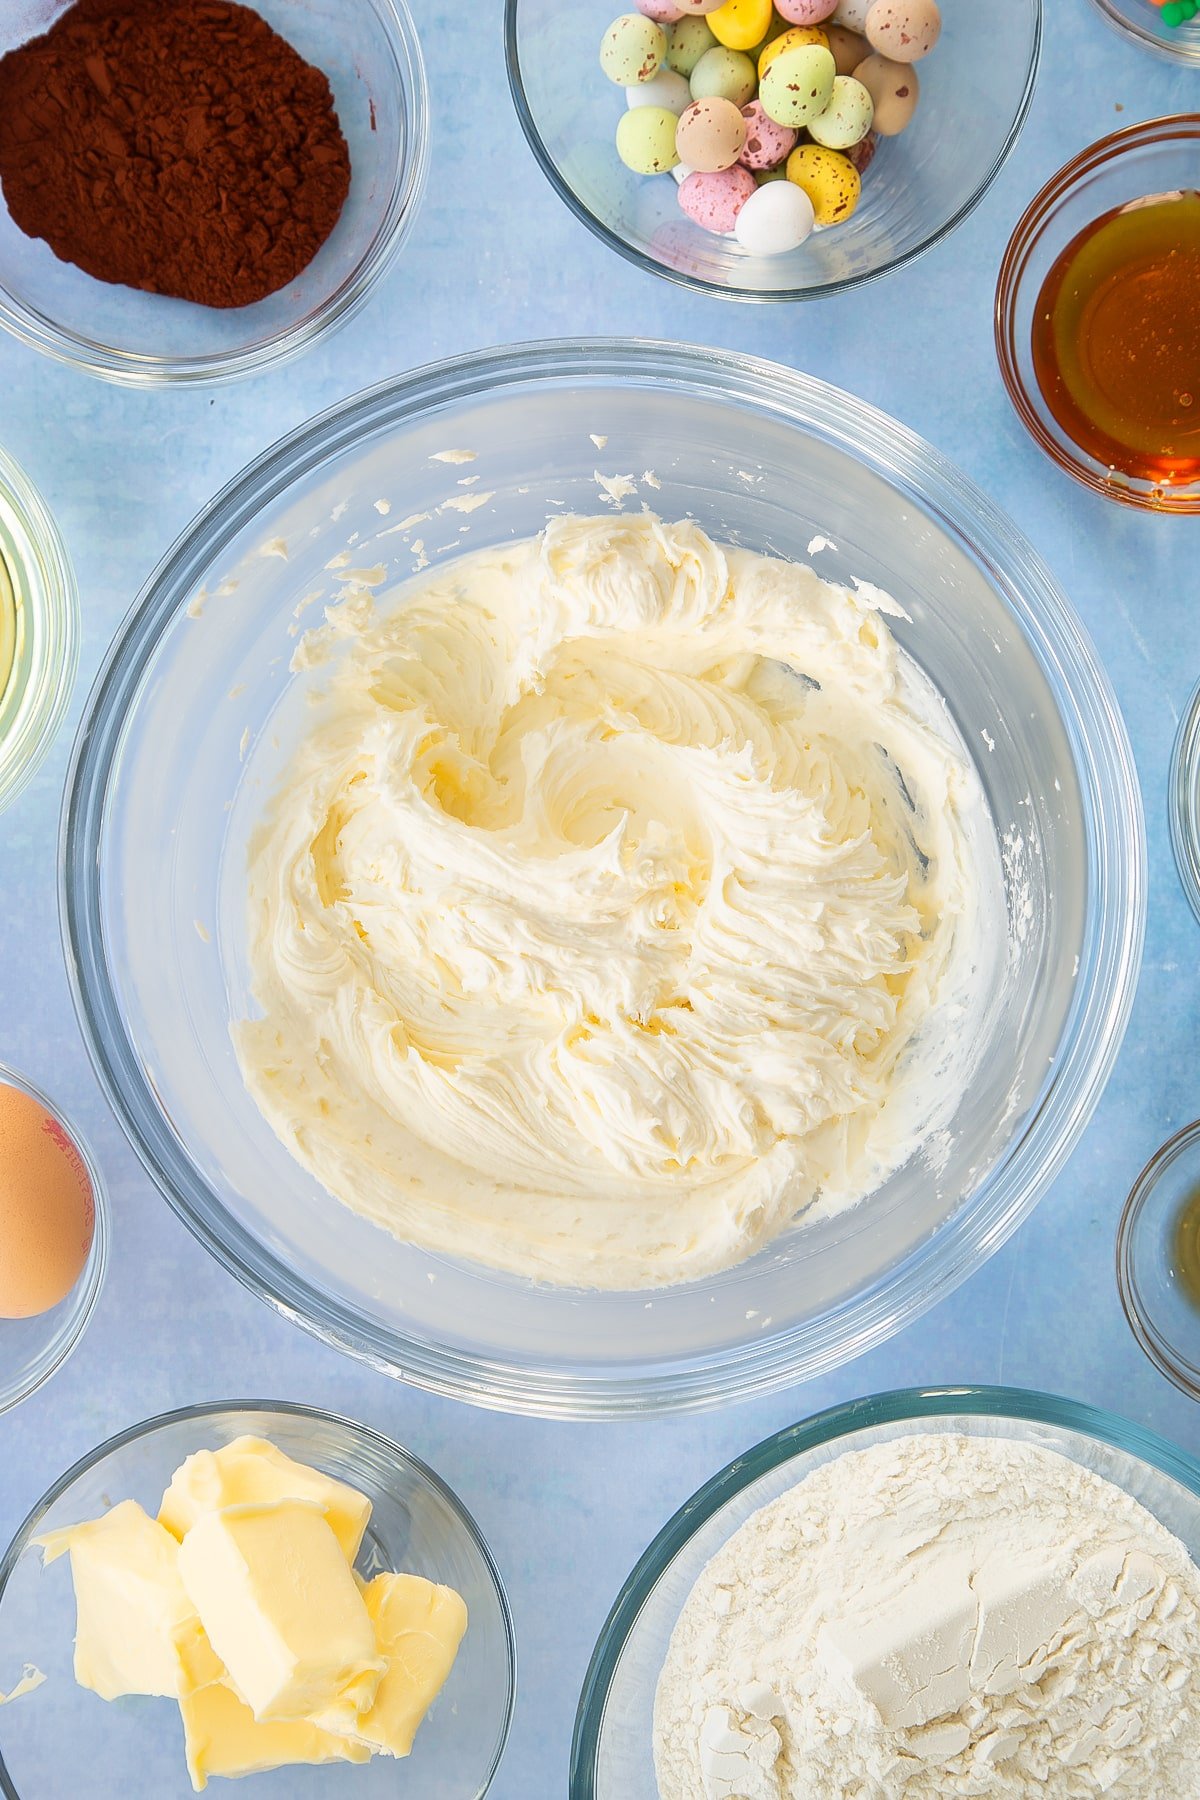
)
(920, 1594)
(457, 1139)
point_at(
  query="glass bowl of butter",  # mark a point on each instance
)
(484, 1095)
(258, 1589)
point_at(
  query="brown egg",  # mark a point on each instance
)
(905, 30)
(47, 1210)
(710, 135)
(848, 48)
(895, 90)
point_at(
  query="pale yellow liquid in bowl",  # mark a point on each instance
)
(8, 629)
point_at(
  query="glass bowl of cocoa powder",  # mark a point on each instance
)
(215, 227)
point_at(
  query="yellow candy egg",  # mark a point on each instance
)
(829, 179)
(741, 24)
(795, 39)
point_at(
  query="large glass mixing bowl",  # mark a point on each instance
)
(189, 725)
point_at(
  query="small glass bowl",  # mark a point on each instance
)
(1162, 1317)
(32, 1349)
(919, 187)
(1138, 20)
(54, 1737)
(370, 52)
(611, 1757)
(1184, 801)
(1160, 156)
(38, 594)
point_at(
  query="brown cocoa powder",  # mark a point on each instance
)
(178, 146)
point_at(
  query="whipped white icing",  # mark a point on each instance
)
(620, 906)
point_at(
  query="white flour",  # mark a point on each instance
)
(938, 1616)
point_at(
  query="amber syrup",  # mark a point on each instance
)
(1116, 339)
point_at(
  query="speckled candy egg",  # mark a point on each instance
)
(697, 8)
(905, 30)
(775, 219)
(795, 38)
(714, 198)
(848, 48)
(664, 89)
(724, 75)
(741, 24)
(632, 50)
(861, 156)
(798, 85)
(847, 118)
(805, 12)
(710, 135)
(853, 14)
(767, 144)
(829, 179)
(895, 90)
(663, 12)
(686, 44)
(646, 140)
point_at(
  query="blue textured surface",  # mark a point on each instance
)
(496, 257)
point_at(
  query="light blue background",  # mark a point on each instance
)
(496, 257)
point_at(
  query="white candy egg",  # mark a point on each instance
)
(664, 89)
(776, 218)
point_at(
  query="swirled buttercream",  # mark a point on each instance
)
(600, 918)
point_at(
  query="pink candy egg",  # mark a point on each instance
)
(805, 12)
(695, 7)
(715, 200)
(767, 144)
(663, 12)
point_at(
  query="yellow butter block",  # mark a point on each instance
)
(279, 1603)
(252, 1471)
(137, 1631)
(222, 1737)
(419, 1627)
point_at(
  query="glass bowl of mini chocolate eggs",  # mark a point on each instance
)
(577, 75)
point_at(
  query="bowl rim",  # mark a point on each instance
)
(699, 284)
(1116, 868)
(1183, 801)
(1157, 1347)
(1011, 284)
(90, 1281)
(53, 596)
(1187, 51)
(898, 1406)
(130, 368)
(293, 1409)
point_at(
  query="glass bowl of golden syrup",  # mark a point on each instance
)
(1158, 1259)
(1163, 26)
(1098, 316)
(39, 629)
